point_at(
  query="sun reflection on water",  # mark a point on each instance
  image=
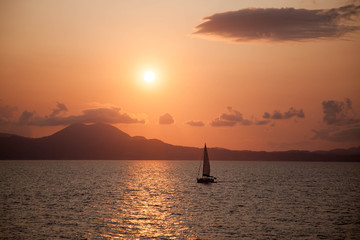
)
(147, 205)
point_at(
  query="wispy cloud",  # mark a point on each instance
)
(166, 119)
(195, 123)
(284, 24)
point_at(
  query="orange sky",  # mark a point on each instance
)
(67, 61)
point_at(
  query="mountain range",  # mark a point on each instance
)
(103, 141)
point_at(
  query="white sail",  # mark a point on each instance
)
(206, 166)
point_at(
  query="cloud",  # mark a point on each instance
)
(104, 115)
(230, 119)
(60, 107)
(196, 123)
(111, 115)
(166, 119)
(262, 122)
(292, 112)
(233, 116)
(26, 117)
(342, 125)
(338, 113)
(338, 135)
(217, 122)
(246, 122)
(6, 113)
(284, 24)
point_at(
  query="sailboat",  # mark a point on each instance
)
(206, 178)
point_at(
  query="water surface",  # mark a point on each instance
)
(161, 200)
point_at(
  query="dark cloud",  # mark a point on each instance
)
(196, 123)
(166, 119)
(230, 119)
(292, 112)
(351, 134)
(338, 113)
(285, 24)
(104, 115)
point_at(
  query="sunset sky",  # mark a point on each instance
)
(255, 75)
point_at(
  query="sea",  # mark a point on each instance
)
(148, 199)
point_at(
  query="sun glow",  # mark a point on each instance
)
(149, 76)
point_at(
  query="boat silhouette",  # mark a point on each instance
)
(206, 177)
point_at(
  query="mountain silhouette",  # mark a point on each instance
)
(103, 141)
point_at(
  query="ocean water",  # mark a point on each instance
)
(161, 200)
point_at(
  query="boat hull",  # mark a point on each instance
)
(206, 180)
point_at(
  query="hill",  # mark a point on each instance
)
(102, 141)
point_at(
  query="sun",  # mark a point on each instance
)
(149, 76)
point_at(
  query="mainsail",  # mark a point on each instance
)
(206, 178)
(206, 166)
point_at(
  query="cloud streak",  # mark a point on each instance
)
(195, 123)
(284, 24)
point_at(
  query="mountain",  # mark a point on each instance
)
(103, 141)
(97, 141)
